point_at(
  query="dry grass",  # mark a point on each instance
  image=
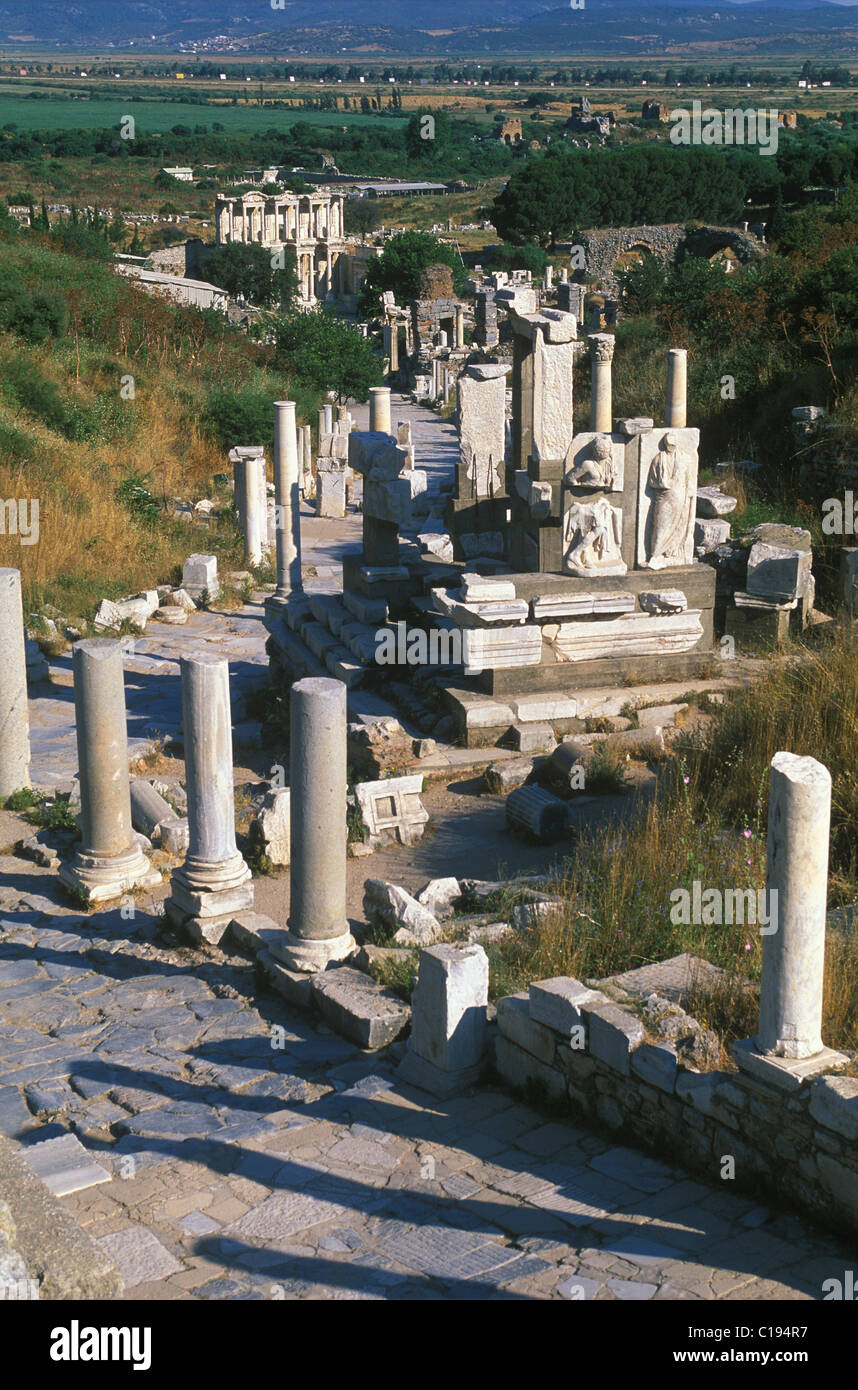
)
(69, 438)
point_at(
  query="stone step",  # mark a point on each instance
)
(60, 1257)
(328, 610)
(319, 639)
(343, 666)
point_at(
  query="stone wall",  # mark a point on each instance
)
(185, 259)
(667, 243)
(796, 1140)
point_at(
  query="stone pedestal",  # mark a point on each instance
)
(318, 927)
(199, 576)
(379, 409)
(214, 883)
(109, 862)
(287, 484)
(601, 400)
(448, 1026)
(677, 386)
(14, 719)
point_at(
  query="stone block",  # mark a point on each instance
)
(387, 903)
(358, 1008)
(255, 932)
(708, 535)
(199, 572)
(842, 1183)
(777, 573)
(426, 1076)
(558, 1003)
(523, 1071)
(613, 1034)
(391, 810)
(712, 502)
(834, 1104)
(64, 1165)
(784, 1073)
(291, 985)
(272, 826)
(439, 896)
(515, 1023)
(450, 1007)
(533, 738)
(657, 1064)
(503, 777)
(661, 716)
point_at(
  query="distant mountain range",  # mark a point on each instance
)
(372, 29)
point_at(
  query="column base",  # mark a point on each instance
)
(416, 1071)
(198, 929)
(203, 890)
(100, 877)
(307, 956)
(788, 1073)
(279, 601)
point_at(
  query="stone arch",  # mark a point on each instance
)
(632, 255)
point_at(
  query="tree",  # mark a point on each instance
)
(251, 270)
(527, 257)
(778, 220)
(400, 263)
(327, 354)
(361, 215)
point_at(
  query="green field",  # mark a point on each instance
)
(69, 113)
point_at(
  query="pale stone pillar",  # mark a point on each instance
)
(248, 497)
(797, 871)
(601, 404)
(328, 411)
(460, 325)
(109, 861)
(287, 501)
(307, 457)
(320, 421)
(214, 883)
(447, 1047)
(318, 926)
(677, 384)
(14, 716)
(379, 409)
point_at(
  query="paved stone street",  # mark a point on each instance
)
(231, 1149)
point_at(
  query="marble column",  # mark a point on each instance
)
(307, 455)
(601, 405)
(677, 382)
(320, 421)
(14, 717)
(318, 926)
(287, 500)
(248, 497)
(109, 862)
(797, 872)
(460, 325)
(379, 409)
(328, 412)
(214, 883)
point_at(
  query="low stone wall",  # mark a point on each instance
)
(796, 1139)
